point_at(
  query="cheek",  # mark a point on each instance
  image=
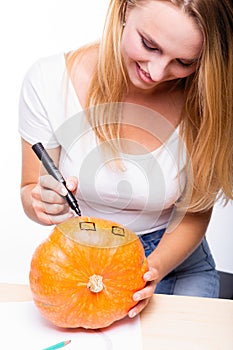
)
(183, 73)
(130, 48)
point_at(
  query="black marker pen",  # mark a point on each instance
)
(51, 168)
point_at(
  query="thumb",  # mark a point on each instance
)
(72, 183)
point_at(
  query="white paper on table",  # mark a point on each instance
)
(22, 327)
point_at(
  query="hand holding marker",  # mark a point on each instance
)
(49, 165)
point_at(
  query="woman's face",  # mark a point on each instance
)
(159, 43)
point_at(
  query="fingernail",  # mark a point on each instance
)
(132, 314)
(147, 275)
(136, 297)
(71, 185)
(63, 191)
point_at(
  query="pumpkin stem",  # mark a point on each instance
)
(95, 283)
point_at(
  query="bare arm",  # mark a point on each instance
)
(174, 247)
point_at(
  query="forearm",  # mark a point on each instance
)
(176, 245)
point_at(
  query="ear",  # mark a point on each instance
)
(125, 10)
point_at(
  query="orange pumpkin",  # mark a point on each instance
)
(86, 272)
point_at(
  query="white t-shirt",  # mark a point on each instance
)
(141, 197)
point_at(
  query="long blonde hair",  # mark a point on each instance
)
(207, 123)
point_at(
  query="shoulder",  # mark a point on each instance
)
(81, 66)
(46, 81)
(46, 68)
(84, 59)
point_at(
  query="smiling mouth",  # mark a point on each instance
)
(144, 73)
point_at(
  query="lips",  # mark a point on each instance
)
(143, 75)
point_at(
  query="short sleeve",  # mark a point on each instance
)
(34, 124)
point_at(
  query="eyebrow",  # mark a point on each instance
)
(154, 43)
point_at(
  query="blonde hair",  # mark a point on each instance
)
(207, 122)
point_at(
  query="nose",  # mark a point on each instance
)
(159, 68)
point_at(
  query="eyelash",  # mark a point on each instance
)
(187, 65)
(148, 48)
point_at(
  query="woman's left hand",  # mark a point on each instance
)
(143, 296)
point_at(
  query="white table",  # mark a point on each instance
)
(170, 322)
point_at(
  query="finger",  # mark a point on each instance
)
(55, 209)
(138, 308)
(151, 275)
(40, 209)
(72, 183)
(143, 298)
(49, 208)
(48, 196)
(48, 219)
(47, 181)
(146, 292)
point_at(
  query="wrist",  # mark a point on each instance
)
(155, 269)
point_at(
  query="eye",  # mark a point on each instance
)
(186, 65)
(146, 44)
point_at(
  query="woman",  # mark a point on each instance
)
(162, 69)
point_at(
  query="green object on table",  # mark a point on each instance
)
(58, 345)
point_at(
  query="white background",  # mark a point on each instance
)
(29, 30)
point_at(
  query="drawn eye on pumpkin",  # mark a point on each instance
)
(87, 226)
(118, 231)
